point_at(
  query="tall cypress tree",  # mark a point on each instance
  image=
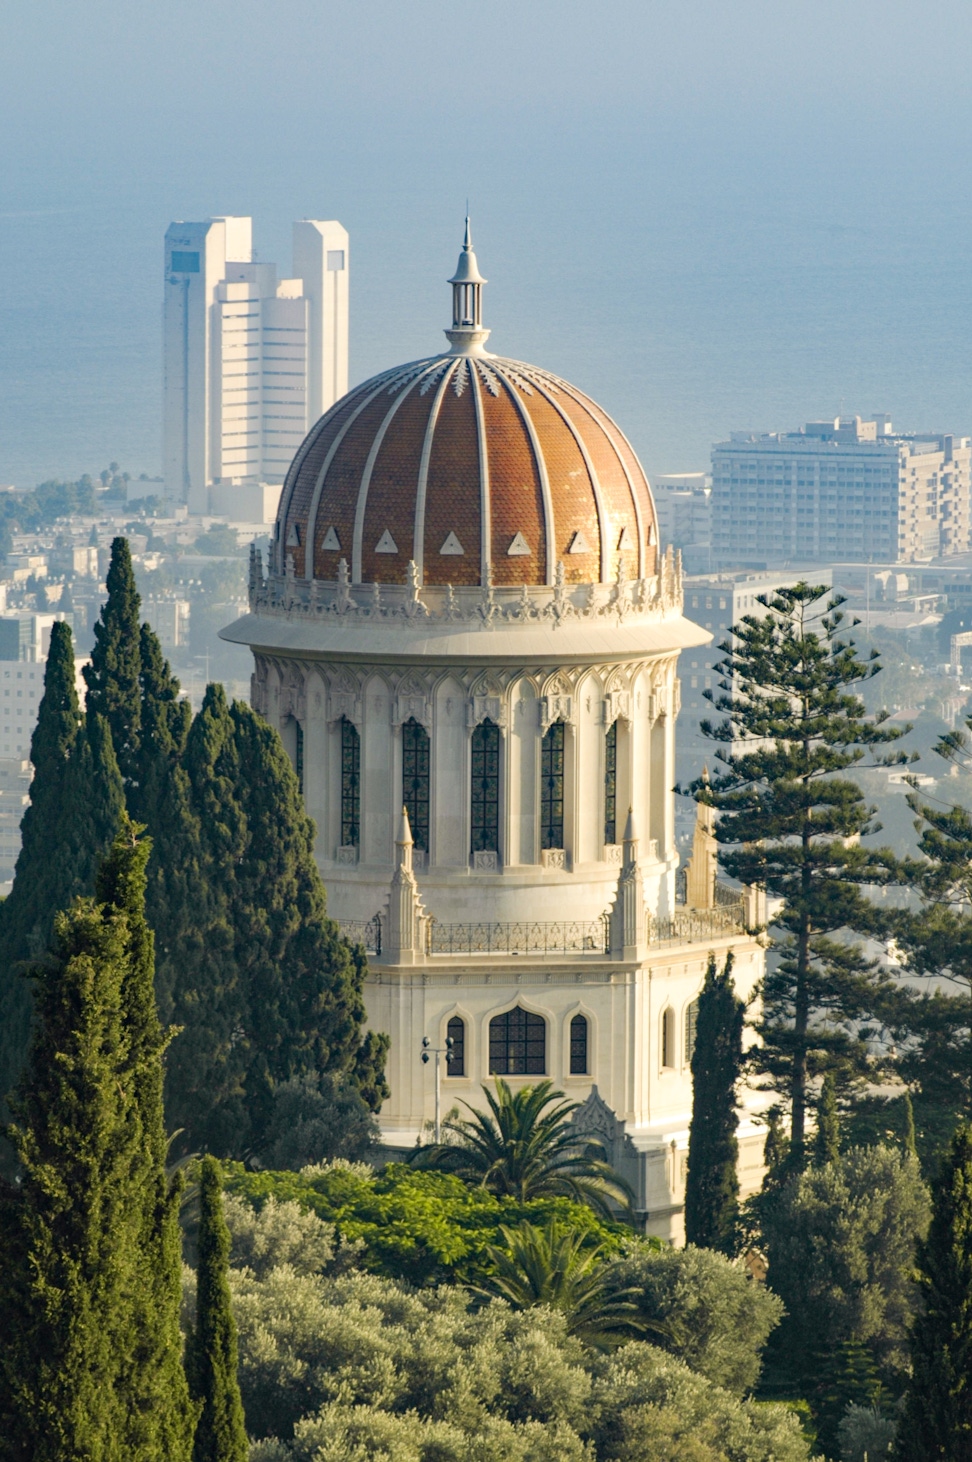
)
(160, 1418)
(826, 1146)
(113, 675)
(91, 1365)
(42, 881)
(75, 803)
(791, 823)
(305, 982)
(937, 1422)
(712, 1182)
(221, 1431)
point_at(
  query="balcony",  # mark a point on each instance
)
(591, 937)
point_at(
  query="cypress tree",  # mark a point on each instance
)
(164, 726)
(792, 824)
(305, 981)
(827, 1144)
(201, 844)
(75, 803)
(91, 1365)
(160, 1418)
(42, 881)
(113, 675)
(937, 1421)
(712, 1182)
(221, 1430)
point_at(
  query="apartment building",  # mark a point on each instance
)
(842, 490)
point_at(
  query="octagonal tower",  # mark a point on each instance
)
(467, 614)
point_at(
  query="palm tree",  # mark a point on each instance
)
(553, 1266)
(526, 1147)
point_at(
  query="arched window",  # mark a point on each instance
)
(350, 784)
(691, 1021)
(517, 1044)
(668, 1037)
(485, 788)
(611, 784)
(456, 1056)
(578, 1046)
(552, 787)
(415, 780)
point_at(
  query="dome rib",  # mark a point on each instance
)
(609, 428)
(545, 494)
(322, 476)
(359, 513)
(485, 515)
(604, 544)
(418, 540)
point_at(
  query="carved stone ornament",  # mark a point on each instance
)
(555, 708)
(412, 705)
(347, 855)
(343, 704)
(553, 858)
(613, 853)
(481, 708)
(617, 703)
(676, 697)
(485, 861)
(291, 701)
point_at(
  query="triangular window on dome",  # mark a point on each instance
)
(331, 541)
(651, 535)
(452, 545)
(625, 540)
(519, 548)
(579, 544)
(386, 543)
(293, 536)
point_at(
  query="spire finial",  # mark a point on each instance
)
(467, 336)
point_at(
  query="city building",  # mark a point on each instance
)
(840, 490)
(250, 360)
(683, 502)
(468, 639)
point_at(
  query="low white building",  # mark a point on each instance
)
(468, 614)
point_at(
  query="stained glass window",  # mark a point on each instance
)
(415, 780)
(578, 1046)
(517, 1044)
(456, 1056)
(350, 784)
(552, 787)
(299, 754)
(691, 1021)
(485, 788)
(611, 784)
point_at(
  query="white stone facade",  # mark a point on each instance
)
(590, 928)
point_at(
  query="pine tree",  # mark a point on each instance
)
(937, 1421)
(908, 1138)
(826, 1147)
(75, 803)
(91, 1367)
(712, 1184)
(112, 677)
(221, 1431)
(792, 824)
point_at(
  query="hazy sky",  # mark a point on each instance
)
(712, 214)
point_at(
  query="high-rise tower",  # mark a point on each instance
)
(250, 361)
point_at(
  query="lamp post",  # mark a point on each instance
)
(438, 1052)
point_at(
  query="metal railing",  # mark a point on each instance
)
(364, 931)
(694, 926)
(530, 936)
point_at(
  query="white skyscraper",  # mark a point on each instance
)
(250, 361)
